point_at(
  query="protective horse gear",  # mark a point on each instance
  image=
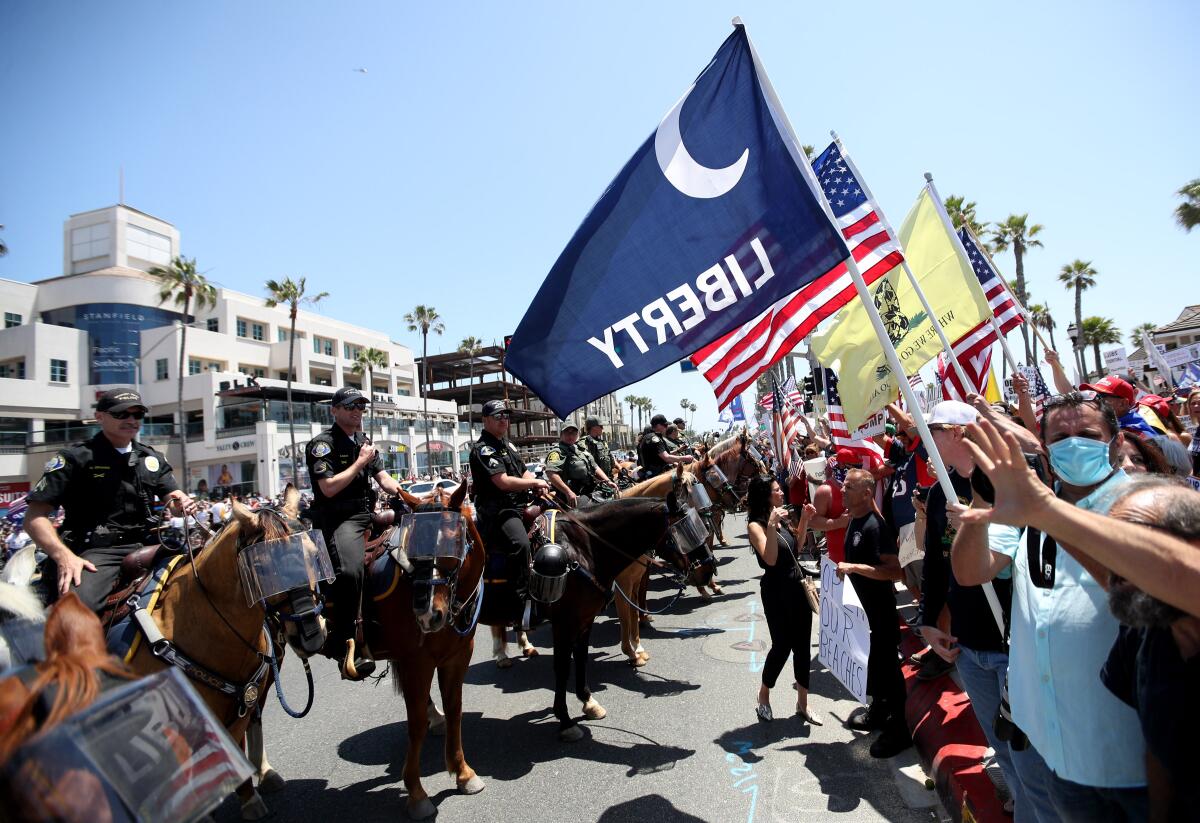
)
(548, 580)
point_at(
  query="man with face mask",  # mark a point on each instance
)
(1154, 666)
(1061, 631)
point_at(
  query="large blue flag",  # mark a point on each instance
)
(708, 224)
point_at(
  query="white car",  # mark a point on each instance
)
(424, 488)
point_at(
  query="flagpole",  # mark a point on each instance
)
(962, 251)
(983, 249)
(912, 278)
(860, 285)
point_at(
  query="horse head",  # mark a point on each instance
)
(687, 533)
(279, 564)
(438, 543)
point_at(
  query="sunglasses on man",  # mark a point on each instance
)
(125, 415)
(360, 406)
(501, 416)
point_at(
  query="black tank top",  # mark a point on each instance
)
(785, 570)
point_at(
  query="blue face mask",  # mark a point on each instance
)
(1081, 461)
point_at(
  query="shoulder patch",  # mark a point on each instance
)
(553, 456)
(654, 438)
(55, 463)
(320, 449)
(493, 463)
(151, 463)
(486, 451)
(321, 466)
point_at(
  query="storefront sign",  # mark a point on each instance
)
(11, 492)
(236, 445)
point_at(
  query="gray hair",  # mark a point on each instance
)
(1179, 514)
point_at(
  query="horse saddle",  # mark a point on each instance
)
(135, 568)
(531, 513)
(382, 523)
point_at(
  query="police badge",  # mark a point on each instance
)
(320, 449)
(55, 463)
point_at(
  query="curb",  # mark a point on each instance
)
(949, 741)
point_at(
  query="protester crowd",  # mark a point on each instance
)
(1061, 585)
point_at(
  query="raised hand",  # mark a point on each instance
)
(1019, 492)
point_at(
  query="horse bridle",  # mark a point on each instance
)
(456, 608)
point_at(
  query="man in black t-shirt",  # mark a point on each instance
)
(873, 566)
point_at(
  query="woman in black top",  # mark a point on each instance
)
(789, 617)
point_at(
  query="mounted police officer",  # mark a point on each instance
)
(654, 452)
(572, 470)
(502, 489)
(341, 463)
(597, 447)
(107, 486)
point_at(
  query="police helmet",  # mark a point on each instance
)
(548, 580)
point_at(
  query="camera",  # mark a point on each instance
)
(1004, 727)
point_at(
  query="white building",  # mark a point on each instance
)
(99, 325)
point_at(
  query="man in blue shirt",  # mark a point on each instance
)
(1061, 630)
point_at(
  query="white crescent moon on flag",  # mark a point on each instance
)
(682, 171)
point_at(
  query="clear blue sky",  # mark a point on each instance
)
(454, 171)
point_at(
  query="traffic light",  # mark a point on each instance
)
(810, 386)
(819, 380)
(507, 339)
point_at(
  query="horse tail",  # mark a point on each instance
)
(16, 597)
(75, 653)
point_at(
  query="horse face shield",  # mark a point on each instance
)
(434, 545)
(273, 567)
(690, 536)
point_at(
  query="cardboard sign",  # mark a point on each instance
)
(1116, 359)
(1182, 355)
(845, 633)
(873, 426)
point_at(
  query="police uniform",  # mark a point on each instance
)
(108, 498)
(650, 452)
(345, 518)
(499, 511)
(598, 449)
(574, 465)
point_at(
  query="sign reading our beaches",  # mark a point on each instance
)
(845, 633)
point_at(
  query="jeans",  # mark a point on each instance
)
(1082, 804)
(982, 674)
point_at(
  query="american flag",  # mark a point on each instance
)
(796, 467)
(1038, 390)
(838, 428)
(735, 361)
(790, 394)
(785, 424)
(977, 367)
(1003, 306)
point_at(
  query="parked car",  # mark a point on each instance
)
(427, 486)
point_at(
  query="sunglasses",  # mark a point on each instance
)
(355, 406)
(125, 415)
(501, 416)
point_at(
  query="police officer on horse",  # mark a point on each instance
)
(107, 486)
(654, 452)
(502, 488)
(597, 447)
(572, 470)
(341, 463)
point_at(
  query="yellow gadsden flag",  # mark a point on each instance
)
(849, 346)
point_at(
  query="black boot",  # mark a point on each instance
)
(894, 738)
(870, 719)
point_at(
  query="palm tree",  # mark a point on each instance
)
(1187, 213)
(188, 288)
(632, 400)
(425, 319)
(3, 245)
(1080, 276)
(1099, 331)
(684, 403)
(1135, 336)
(291, 294)
(366, 362)
(471, 347)
(1016, 232)
(962, 212)
(692, 416)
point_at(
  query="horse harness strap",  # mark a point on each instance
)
(247, 694)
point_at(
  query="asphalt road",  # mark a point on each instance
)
(680, 742)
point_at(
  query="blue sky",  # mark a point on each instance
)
(455, 170)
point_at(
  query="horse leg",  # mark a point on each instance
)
(527, 648)
(500, 647)
(631, 640)
(269, 781)
(592, 710)
(719, 525)
(450, 681)
(418, 678)
(252, 805)
(568, 729)
(437, 720)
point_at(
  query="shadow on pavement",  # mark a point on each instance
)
(743, 741)
(648, 807)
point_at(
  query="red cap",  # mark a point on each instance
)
(1159, 404)
(1112, 385)
(847, 457)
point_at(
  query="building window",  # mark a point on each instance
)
(257, 331)
(89, 241)
(194, 366)
(147, 245)
(241, 327)
(322, 345)
(282, 334)
(11, 319)
(283, 375)
(160, 369)
(13, 369)
(58, 371)
(213, 324)
(257, 372)
(350, 351)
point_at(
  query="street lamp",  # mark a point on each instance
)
(1073, 333)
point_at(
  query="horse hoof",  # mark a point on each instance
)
(472, 786)
(422, 809)
(254, 809)
(593, 710)
(570, 734)
(637, 661)
(504, 662)
(271, 782)
(437, 725)
(529, 651)
(717, 589)
(643, 659)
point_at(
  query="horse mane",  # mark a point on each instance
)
(16, 595)
(75, 652)
(650, 488)
(719, 448)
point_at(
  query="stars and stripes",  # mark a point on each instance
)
(839, 430)
(785, 424)
(1038, 390)
(1003, 306)
(977, 367)
(790, 393)
(735, 361)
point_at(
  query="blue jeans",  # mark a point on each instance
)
(983, 674)
(1081, 804)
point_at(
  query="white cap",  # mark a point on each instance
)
(952, 413)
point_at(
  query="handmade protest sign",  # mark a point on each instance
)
(845, 633)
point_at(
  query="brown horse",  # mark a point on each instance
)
(202, 612)
(424, 622)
